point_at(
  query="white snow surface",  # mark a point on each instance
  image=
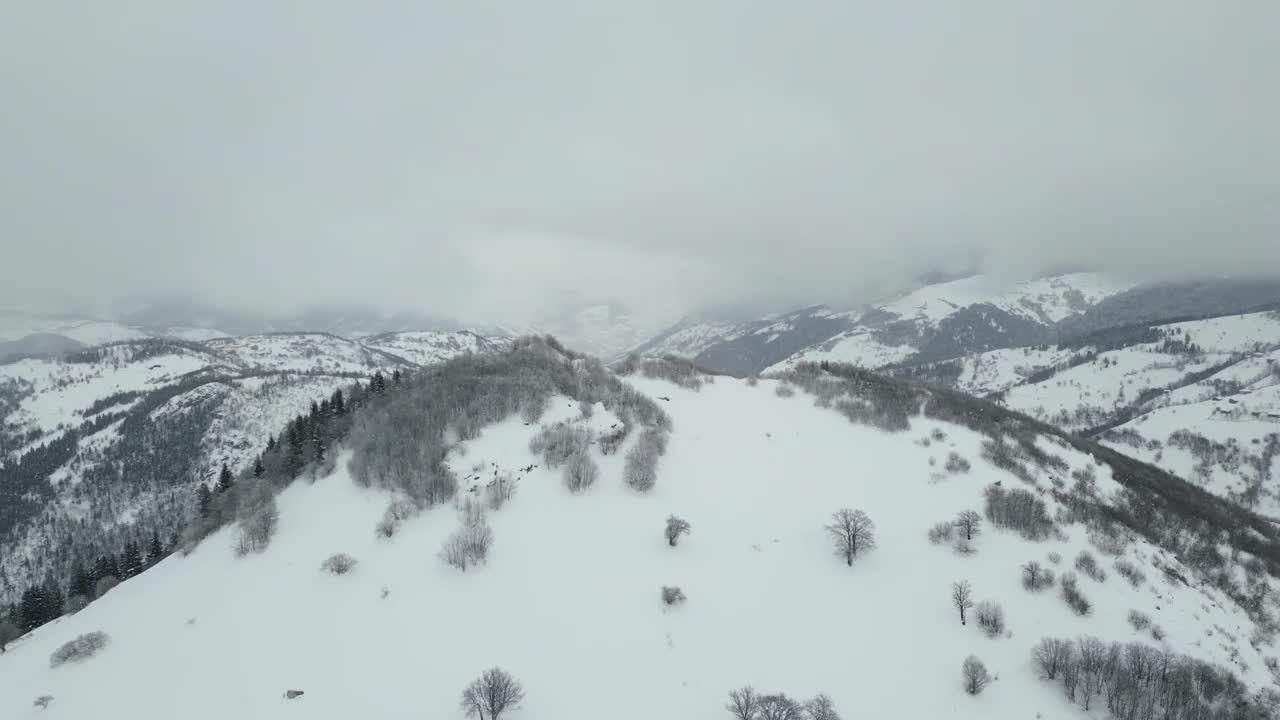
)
(568, 601)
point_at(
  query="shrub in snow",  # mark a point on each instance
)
(963, 547)
(467, 546)
(1139, 620)
(471, 513)
(501, 490)
(386, 528)
(672, 595)
(1157, 632)
(784, 391)
(1055, 557)
(1130, 572)
(976, 677)
(938, 435)
(580, 472)
(956, 464)
(941, 533)
(851, 532)
(339, 564)
(491, 694)
(640, 469)
(752, 381)
(43, 701)
(962, 597)
(1036, 578)
(1073, 597)
(1087, 564)
(969, 523)
(1108, 541)
(675, 528)
(104, 585)
(293, 694)
(990, 618)
(82, 648)
(560, 442)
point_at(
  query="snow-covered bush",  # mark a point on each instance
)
(956, 464)
(1073, 597)
(104, 585)
(501, 490)
(1054, 557)
(1130, 572)
(941, 532)
(82, 648)
(990, 618)
(1036, 578)
(1108, 540)
(937, 435)
(672, 595)
(259, 518)
(1139, 620)
(339, 564)
(558, 443)
(43, 701)
(676, 527)
(963, 547)
(753, 380)
(640, 468)
(784, 391)
(976, 677)
(1088, 564)
(470, 543)
(580, 472)
(671, 368)
(492, 694)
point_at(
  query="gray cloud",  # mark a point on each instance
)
(483, 160)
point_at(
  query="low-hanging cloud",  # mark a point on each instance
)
(483, 160)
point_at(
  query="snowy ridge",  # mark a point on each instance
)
(568, 599)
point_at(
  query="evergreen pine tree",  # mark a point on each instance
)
(225, 481)
(203, 501)
(130, 561)
(378, 383)
(81, 581)
(155, 552)
(271, 443)
(258, 470)
(395, 377)
(337, 405)
(317, 441)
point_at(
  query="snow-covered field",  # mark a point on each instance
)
(568, 601)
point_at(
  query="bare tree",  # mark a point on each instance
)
(675, 528)
(580, 472)
(502, 489)
(1093, 656)
(1036, 578)
(821, 708)
(851, 531)
(454, 551)
(491, 694)
(976, 677)
(991, 618)
(1051, 656)
(969, 523)
(672, 595)
(962, 597)
(8, 633)
(780, 707)
(743, 703)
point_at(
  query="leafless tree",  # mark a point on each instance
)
(675, 528)
(780, 707)
(969, 523)
(743, 703)
(1036, 578)
(454, 551)
(580, 472)
(501, 490)
(962, 597)
(491, 694)
(1093, 656)
(8, 633)
(821, 708)
(339, 564)
(259, 525)
(1051, 655)
(976, 677)
(941, 532)
(851, 531)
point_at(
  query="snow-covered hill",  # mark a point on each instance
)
(604, 330)
(568, 598)
(107, 443)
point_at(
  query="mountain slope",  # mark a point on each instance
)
(568, 599)
(107, 445)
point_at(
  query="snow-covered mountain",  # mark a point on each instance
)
(108, 442)
(945, 319)
(567, 597)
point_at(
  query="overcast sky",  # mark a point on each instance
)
(482, 159)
